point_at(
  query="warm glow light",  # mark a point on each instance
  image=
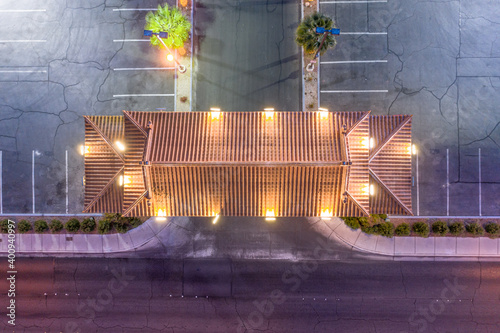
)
(413, 149)
(214, 109)
(216, 218)
(324, 114)
(125, 180)
(270, 215)
(170, 57)
(365, 142)
(372, 142)
(215, 115)
(323, 109)
(366, 189)
(84, 149)
(269, 115)
(120, 181)
(120, 145)
(326, 214)
(161, 212)
(372, 190)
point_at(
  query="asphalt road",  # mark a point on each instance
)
(129, 295)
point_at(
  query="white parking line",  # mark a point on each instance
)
(1, 183)
(144, 69)
(353, 1)
(480, 199)
(133, 9)
(33, 178)
(352, 62)
(144, 95)
(21, 10)
(23, 41)
(363, 33)
(352, 91)
(23, 71)
(129, 40)
(67, 182)
(418, 190)
(447, 182)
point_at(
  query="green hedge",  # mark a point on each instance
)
(403, 230)
(456, 228)
(4, 226)
(492, 228)
(55, 225)
(440, 228)
(88, 225)
(351, 222)
(41, 226)
(104, 226)
(24, 226)
(385, 229)
(474, 229)
(421, 229)
(73, 225)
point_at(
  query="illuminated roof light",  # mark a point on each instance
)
(324, 114)
(326, 214)
(365, 142)
(170, 57)
(372, 190)
(84, 149)
(270, 216)
(413, 149)
(323, 109)
(216, 218)
(120, 145)
(126, 180)
(366, 189)
(215, 115)
(372, 143)
(120, 180)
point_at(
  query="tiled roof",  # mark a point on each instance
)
(248, 163)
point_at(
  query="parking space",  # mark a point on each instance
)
(440, 65)
(60, 61)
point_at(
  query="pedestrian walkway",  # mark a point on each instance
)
(252, 238)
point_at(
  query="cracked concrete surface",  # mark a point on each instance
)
(349, 296)
(442, 67)
(47, 87)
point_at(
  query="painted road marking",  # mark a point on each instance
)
(354, 1)
(67, 182)
(480, 199)
(447, 182)
(143, 69)
(33, 178)
(21, 10)
(418, 190)
(23, 41)
(352, 91)
(363, 33)
(352, 62)
(130, 40)
(23, 71)
(133, 9)
(1, 184)
(144, 95)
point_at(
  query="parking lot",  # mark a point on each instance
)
(60, 61)
(439, 62)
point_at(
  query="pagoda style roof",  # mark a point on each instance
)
(248, 164)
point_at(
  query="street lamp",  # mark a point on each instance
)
(160, 35)
(325, 32)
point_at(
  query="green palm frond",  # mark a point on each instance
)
(170, 20)
(307, 37)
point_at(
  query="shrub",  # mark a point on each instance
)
(122, 225)
(104, 226)
(403, 230)
(24, 226)
(351, 222)
(421, 229)
(492, 228)
(170, 20)
(4, 226)
(135, 222)
(385, 229)
(41, 226)
(383, 216)
(365, 225)
(456, 228)
(73, 225)
(88, 225)
(55, 226)
(440, 228)
(474, 228)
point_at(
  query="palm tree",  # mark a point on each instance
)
(171, 21)
(307, 37)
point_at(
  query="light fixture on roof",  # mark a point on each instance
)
(411, 149)
(372, 142)
(323, 113)
(365, 142)
(120, 145)
(161, 214)
(84, 150)
(269, 113)
(366, 189)
(216, 218)
(326, 214)
(372, 190)
(124, 180)
(270, 216)
(215, 113)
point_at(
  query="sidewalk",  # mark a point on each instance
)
(252, 238)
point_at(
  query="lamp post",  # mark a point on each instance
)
(160, 35)
(325, 32)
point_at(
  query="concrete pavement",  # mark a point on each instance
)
(251, 238)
